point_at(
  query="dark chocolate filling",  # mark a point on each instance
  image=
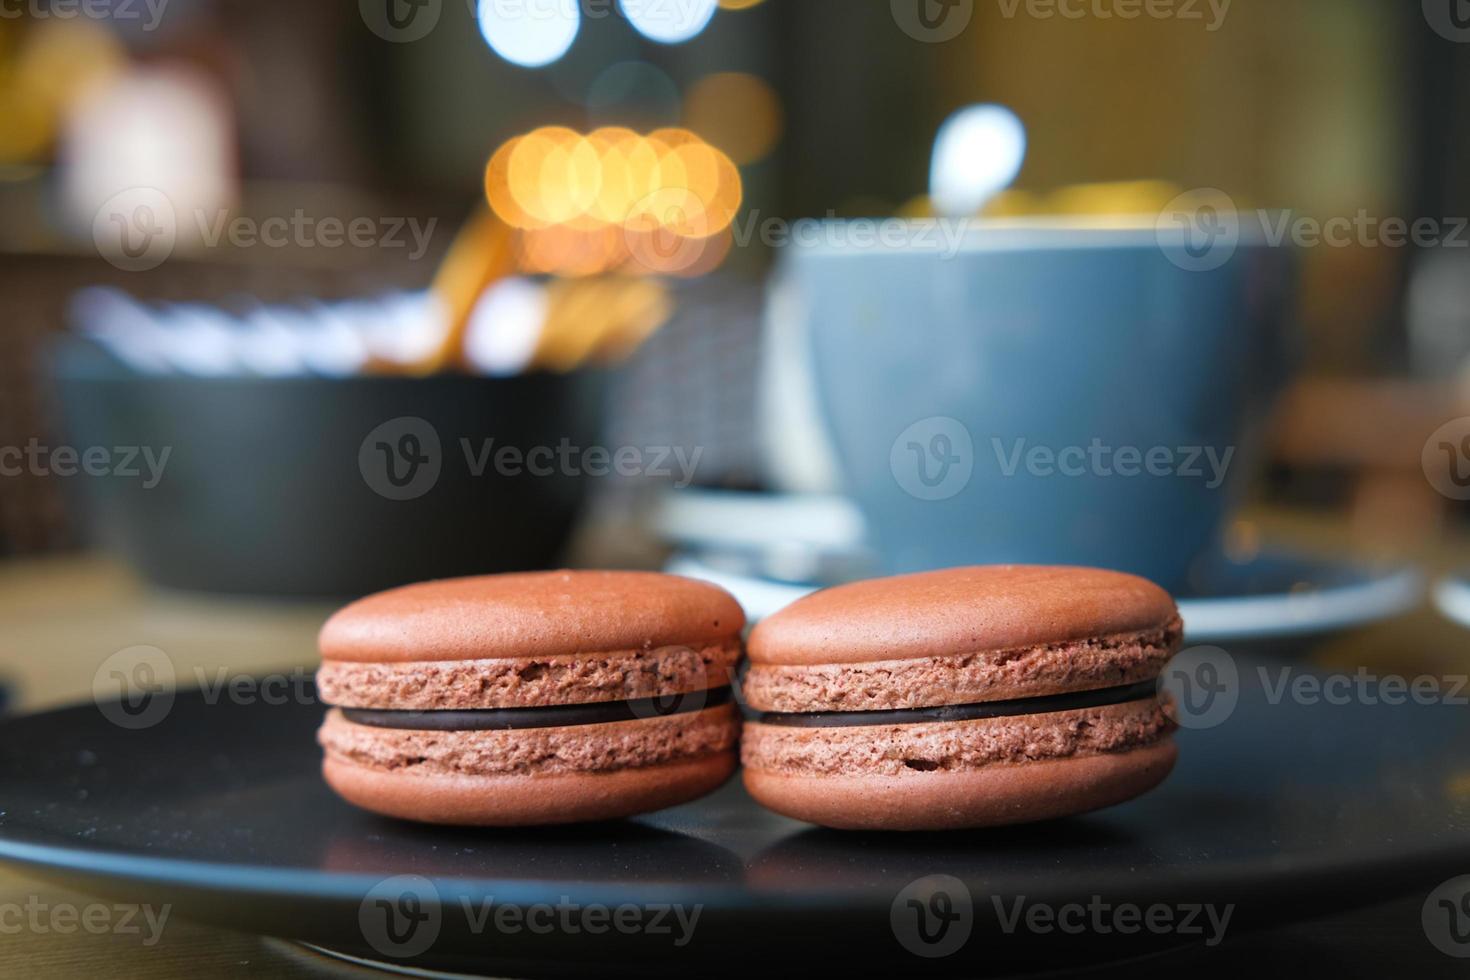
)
(550, 716)
(963, 712)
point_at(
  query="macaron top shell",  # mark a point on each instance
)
(532, 614)
(957, 611)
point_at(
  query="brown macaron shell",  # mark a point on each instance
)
(531, 615)
(959, 610)
(952, 638)
(521, 682)
(523, 642)
(515, 801)
(966, 798)
(504, 778)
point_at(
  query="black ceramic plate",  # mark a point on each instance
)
(1282, 810)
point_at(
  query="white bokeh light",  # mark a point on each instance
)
(529, 33)
(977, 153)
(668, 21)
(505, 326)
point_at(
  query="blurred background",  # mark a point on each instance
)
(303, 300)
(258, 251)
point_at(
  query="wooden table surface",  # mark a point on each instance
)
(63, 617)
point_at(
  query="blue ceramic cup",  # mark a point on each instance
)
(1044, 393)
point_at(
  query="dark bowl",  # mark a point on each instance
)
(282, 485)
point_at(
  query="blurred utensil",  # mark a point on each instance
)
(477, 315)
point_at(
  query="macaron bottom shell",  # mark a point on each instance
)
(527, 801)
(531, 777)
(960, 774)
(991, 796)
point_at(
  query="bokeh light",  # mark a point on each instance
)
(977, 153)
(668, 22)
(736, 111)
(505, 325)
(613, 199)
(529, 33)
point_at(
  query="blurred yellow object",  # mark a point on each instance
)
(26, 128)
(479, 256)
(736, 111)
(738, 4)
(588, 320)
(43, 70)
(1137, 198)
(918, 206)
(1012, 204)
(598, 320)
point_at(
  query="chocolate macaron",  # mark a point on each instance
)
(536, 698)
(966, 697)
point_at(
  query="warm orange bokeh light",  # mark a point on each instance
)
(590, 204)
(736, 111)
